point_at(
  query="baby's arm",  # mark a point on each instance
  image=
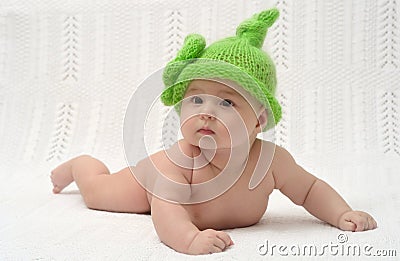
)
(175, 229)
(315, 195)
(171, 220)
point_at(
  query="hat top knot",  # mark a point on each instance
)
(255, 28)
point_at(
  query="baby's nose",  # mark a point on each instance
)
(206, 116)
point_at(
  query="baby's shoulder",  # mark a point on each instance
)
(173, 163)
(277, 155)
(265, 143)
(273, 146)
(179, 156)
(262, 149)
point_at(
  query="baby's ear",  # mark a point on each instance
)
(262, 119)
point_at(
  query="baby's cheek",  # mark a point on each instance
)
(186, 113)
(187, 128)
(235, 126)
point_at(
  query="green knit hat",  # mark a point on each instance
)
(238, 58)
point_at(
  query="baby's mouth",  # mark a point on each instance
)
(206, 131)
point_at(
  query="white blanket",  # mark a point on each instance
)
(37, 225)
(69, 68)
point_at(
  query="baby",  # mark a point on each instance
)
(220, 175)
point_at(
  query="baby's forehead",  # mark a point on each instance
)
(223, 86)
(216, 86)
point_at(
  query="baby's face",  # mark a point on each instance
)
(218, 111)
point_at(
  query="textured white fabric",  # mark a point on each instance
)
(69, 68)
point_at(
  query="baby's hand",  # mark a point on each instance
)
(210, 241)
(357, 221)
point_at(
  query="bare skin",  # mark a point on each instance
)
(197, 227)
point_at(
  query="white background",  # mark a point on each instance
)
(69, 68)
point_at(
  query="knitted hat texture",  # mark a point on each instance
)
(238, 58)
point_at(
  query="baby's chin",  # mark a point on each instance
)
(209, 144)
(213, 142)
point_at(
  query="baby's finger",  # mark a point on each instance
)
(219, 243)
(371, 223)
(348, 226)
(360, 222)
(225, 238)
(215, 249)
(375, 223)
(356, 220)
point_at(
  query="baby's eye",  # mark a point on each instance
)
(227, 103)
(197, 100)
